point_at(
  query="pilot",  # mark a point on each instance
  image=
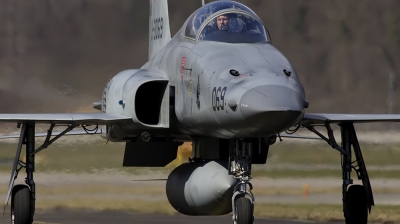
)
(223, 22)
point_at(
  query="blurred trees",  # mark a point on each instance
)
(56, 56)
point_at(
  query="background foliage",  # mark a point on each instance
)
(56, 56)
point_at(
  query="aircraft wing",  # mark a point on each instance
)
(317, 118)
(72, 118)
(55, 133)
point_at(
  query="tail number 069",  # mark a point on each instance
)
(218, 98)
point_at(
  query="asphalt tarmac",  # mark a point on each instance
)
(65, 216)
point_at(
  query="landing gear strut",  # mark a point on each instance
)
(23, 197)
(240, 167)
(357, 199)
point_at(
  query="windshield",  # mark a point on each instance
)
(239, 24)
(233, 28)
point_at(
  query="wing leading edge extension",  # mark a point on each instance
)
(71, 118)
(317, 118)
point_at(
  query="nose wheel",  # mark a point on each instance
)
(240, 167)
(244, 211)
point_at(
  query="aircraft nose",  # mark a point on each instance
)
(271, 107)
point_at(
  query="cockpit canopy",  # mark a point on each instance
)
(226, 21)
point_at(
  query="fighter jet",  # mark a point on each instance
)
(218, 83)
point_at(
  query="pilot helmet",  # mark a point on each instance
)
(224, 27)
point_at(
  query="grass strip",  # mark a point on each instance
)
(284, 159)
(319, 212)
(321, 173)
(323, 213)
(97, 204)
(88, 189)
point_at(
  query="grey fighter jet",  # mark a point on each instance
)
(218, 83)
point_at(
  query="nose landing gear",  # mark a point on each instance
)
(240, 167)
(244, 210)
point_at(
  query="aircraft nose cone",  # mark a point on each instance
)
(271, 107)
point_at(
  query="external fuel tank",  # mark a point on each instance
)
(201, 188)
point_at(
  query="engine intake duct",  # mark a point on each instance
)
(148, 102)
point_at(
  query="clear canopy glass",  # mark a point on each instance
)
(226, 21)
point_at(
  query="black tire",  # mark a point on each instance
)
(357, 198)
(244, 211)
(21, 205)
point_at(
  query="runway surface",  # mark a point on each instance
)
(65, 216)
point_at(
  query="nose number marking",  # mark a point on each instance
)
(218, 98)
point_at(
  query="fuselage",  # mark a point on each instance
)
(222, 83)
(265, 96)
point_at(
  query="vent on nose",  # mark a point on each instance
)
(234, 72)
(233, 105)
